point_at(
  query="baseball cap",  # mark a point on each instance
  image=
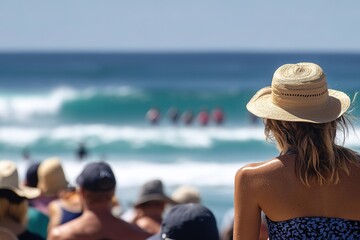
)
(188, 222)
(31, 177)
(97, 176)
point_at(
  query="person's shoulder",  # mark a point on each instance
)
(53, 207)
(63, 232)
(262, 167)
(119, 227)
(55, 234)
(257, 173)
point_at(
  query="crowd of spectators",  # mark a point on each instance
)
(46, 206)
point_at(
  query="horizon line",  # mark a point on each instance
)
(165, 52)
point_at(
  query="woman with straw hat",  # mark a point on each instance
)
(13, 204)
(311, 190)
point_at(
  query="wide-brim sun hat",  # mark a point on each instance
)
(9, 179)
(153, 191)
(299, 93)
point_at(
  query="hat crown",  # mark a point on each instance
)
(190, 221)
(299, 85)
(186, 194)
(51, 176)
(97, 176)
(9, 177)
(152, 191)
(152, 187)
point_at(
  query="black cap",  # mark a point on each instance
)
(188, 222)
(97, 176)
(31, 177)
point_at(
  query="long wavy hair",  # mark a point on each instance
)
(319, 158)
(15, 211)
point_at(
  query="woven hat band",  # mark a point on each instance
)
(305, 98)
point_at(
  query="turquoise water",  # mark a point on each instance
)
(51, 102)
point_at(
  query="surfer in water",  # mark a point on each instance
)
(173, 115)
(203, 117)
(153, 116)
(218, 116)
(81, 151)
(187, 117)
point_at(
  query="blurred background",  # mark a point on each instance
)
(81, 76)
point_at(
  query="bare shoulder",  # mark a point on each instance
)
(254, 181)
(62, 232)
(55, 234)
(261, 170)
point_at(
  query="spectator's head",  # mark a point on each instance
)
(12, 195)
(152, 193)
(31, 177)
(97, 182)
(188, 221)
(51, 177)
(186, 194)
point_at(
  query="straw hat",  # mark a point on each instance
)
(152, 191)
(299, 93)
(9, 179)
(186, 194)
(51, 177)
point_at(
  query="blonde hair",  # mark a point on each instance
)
(16, 212)
(319, 158)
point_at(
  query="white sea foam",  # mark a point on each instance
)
(122, 91)
(137, 137)
(190, 173)
(22, 107)
(135, 173)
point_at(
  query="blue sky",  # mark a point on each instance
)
(186, 25)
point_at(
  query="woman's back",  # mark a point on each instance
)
(284, 196)
(293, 208)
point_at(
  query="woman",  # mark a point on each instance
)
(311, 190)
(64, 209)
(13, 203)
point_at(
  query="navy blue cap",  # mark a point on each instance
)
(31, 177)
(97, 176)
(188, 222)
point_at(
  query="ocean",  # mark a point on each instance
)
(51, 102)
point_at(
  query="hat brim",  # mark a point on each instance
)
(154, 197)
(26, 192)
(262, 106)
